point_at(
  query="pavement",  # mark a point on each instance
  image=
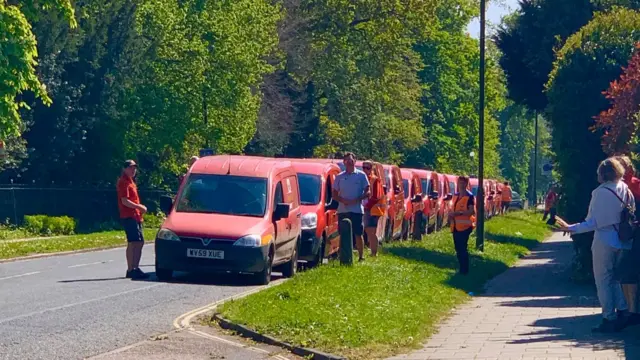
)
(531, 312)
(80, 305)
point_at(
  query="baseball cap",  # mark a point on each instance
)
(128, 164)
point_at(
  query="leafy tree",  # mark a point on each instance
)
(586, 64)
(620, 121)
(516, 145)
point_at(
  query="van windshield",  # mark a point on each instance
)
(224, 194)
(309, 189)
(405, 184)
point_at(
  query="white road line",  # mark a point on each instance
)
(77, 303)
(21, 275)
(93, 263)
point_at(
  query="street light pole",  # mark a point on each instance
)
(535, 161)
(480, 197)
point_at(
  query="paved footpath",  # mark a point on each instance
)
(532, 311)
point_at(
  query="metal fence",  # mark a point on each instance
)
(87, 205)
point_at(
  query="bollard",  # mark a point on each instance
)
(346, 242)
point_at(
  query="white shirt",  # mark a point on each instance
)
(604, 212)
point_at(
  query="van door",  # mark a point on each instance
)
(333, 241)
(282, 229)
(399, 200)
(292, 197)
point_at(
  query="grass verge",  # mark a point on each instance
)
(387, 304)
(101, 240)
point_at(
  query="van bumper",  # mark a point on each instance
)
(173, 255)
(310, 245)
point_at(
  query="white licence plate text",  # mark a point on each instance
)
(205, 253)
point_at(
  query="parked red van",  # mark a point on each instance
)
(444, 200)
(428, 182)
(413, 203)
(473, 183)
(453, 189)
(395, 195)
(232, 214)
(319, 219)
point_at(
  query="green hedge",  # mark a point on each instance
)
(49, 225)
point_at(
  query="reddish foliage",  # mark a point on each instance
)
(619, 122)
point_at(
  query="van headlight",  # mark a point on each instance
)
(309, 221)
(253, 240)
(166, 234)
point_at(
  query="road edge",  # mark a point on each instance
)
(62, 253)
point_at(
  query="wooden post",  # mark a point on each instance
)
(346, 242)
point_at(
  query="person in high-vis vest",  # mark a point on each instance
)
(462, 220)
(374, 207)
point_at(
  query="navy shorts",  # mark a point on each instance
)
(133, 230)
(356, 222)
(370, 221)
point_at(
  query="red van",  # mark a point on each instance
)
(320, 237)
(232, 214)
(395, 196)
(452, 180)
(413, 203)
(428, 183)
(444, 200)
(473, 183)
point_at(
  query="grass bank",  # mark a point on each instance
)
(387, 304)
(101, 240)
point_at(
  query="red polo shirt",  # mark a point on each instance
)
(634, 185)
(127, 189)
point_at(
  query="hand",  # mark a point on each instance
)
(560, 221)
(143, 209)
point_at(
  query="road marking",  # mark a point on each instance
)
(93, 263)
(76, 304)
(21, 275)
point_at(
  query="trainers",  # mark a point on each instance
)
(138, 274)
(606, 326)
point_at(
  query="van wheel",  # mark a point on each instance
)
(289, 269)
(264, 277)
(438, 223)
(164, 274)
(406, 225)
(317, 260)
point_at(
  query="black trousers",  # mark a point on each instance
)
(461, 243)
(552, 219)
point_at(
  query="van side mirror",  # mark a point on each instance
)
(281, 211)
(166, 203)
(417, 198)
(333, 205)
(434, 195)
(448, 197)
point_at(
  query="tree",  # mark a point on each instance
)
(620, 122)
(18, 55)
(516, 146)
(586, 64)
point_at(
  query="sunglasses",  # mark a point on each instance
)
(366, 167)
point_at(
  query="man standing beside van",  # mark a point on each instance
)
(131, 212)
(350, 188)
(507, 196)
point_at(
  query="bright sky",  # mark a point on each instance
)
(495, 11)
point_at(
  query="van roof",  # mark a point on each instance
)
(239, 165)
(310, 167)
(423, 174)
(407, 173)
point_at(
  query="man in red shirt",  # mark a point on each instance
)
(131, 212)
(550, 205)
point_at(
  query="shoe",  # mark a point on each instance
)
(634, 319)
(129, 274)
(138, 274)
(606, 326)
(623, 319)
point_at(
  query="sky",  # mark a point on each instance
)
(495, 11)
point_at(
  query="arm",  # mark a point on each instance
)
(131, 205)
(366, 194)
(590, 223)
(375, 196)
(335, 191)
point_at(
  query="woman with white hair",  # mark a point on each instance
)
(603, 218)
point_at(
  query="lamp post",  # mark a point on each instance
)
(535, 161)
(480, 197)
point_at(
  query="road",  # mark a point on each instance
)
(80, 305)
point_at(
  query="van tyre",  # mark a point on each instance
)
(164, 274)
(406, 226)
(290, 268)
(264, 277)
(317, 260)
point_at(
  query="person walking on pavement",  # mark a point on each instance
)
(373, 208)
(462, 220)
(131, 213)
(603, 217)
(629, 268)
(550, 201)
(350, 188)
(507, 196)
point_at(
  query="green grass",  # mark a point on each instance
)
(387, 304)
(100, 240)
(11, 233)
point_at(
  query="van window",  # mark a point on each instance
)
(387, 178)
(405, 185)
(426, 186)
(310, 188)
(328, 191)
(224, 194)
(452, 187)
(278, 197)
(291, 195)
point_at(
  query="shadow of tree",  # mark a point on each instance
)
(507, 239)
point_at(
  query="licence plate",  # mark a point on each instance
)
(205, 254)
